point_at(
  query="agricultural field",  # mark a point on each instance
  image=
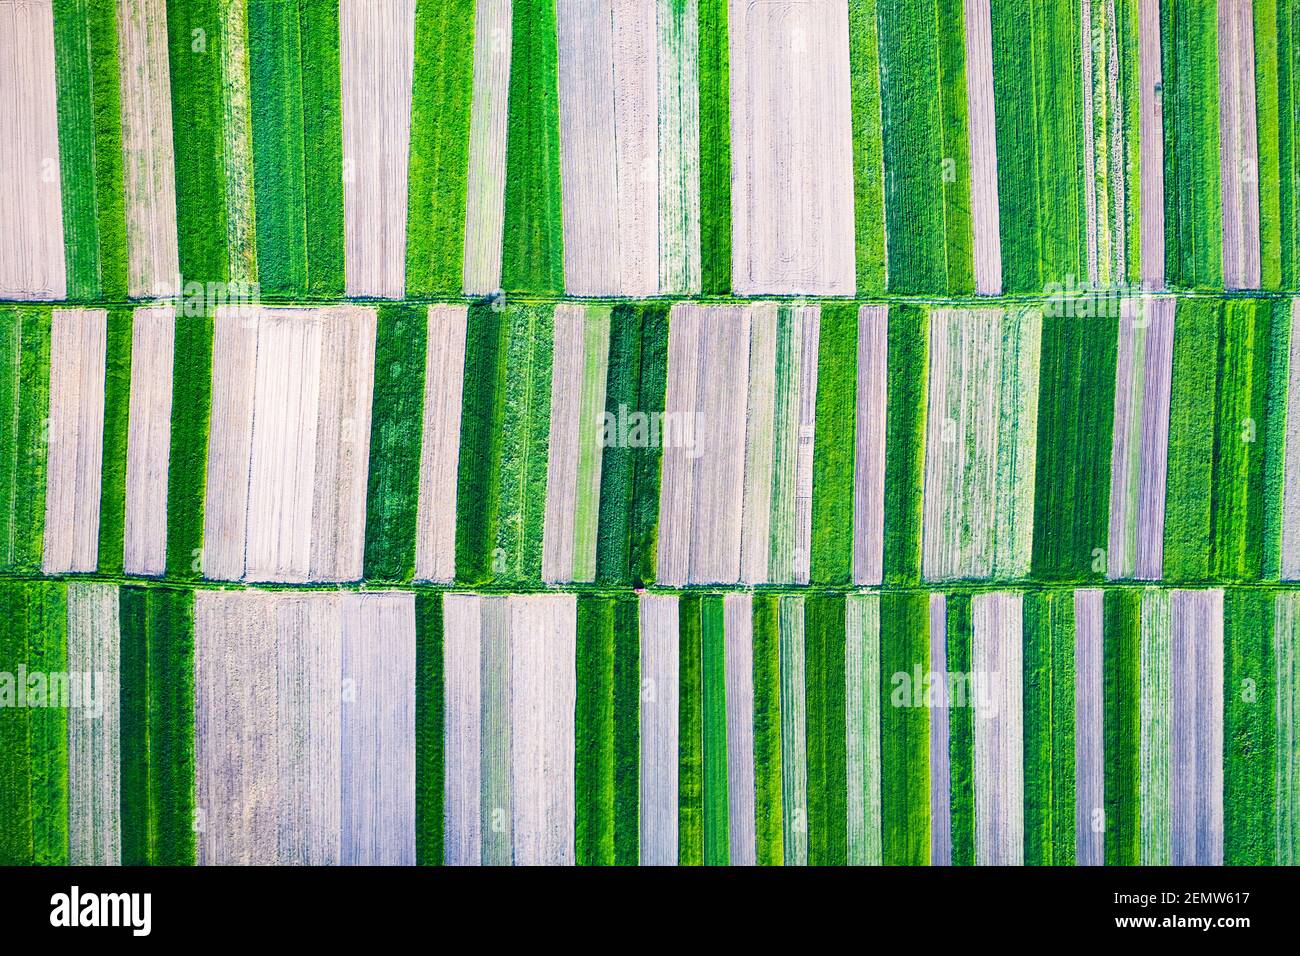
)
(649, 432)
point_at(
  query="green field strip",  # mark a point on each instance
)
(1287, 729)
(906, 399)
(926, 146)
(1288, 141)
(1224, 409)
(1249, 729)
(187, 472)
(713, 644)
(1037, 80)
(159, 820)
(794, 737)
(767, 731)
(24, 404)
(652, 392)
(532, 257)
(868, 147)
(904, 732)
(715, 148)
(627, 730)
(1279, 372)
(430, 729)
(1121, 696)
(1127, 114)
(1076, 404)
(1155, 726)
(785, 445)
(961, 734)
(524, 442)
(834, 445)
(194, 48)
(621, 450)
(1193, 211)
(1049, 729)
(322, 118)
(117, 415)
(236, 99)
(1015, 477)
(827, 760)
(396, 433)
(33, 736)
(690, 731)
(1103, 106)
(1267, 122)
(478, 478)
(595, 372)
(440, 112)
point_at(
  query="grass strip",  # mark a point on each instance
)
(1076, 403)
(1279, 371)
(1049, 728)
(76, 148)
(621, 450)
(1038, 96)
(959, 637)
(524, 442)
(827, 760)
(24, 406)
(1121, 724)
(478, 478)
(715, 149)
(396, 432)
(595, 373)
(868, 158)
(1288, 140)
(834, 448)
(690, 732)
(906, 402)
(194, 42)
(904, 731)
(627, 730)
(187, 472)
(713, 645)
(322, 118)
(1249, 729)
(1190, 94)
(117, 419)
(440, 111)
(430, 728)
(532, 257)
(594, 769)
(643, 534)
(157, 726)
(767, 730)
(1267, 74)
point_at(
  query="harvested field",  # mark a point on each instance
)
(1196, 729)
(1089, 732)
(760, 441)
(1287, 728)
(463, 623)
(983, 148)
(999, 733)
(1156, 716)
(1151, 131)
(739, 626)
(435, 550)
(94, 743)
(149, 441)
(486, 181)
(78, 344)
(869, 460)
(862, 728)
(32, 255)
(940, 757)
(794, 737)
(1239, 145)
(658, 729)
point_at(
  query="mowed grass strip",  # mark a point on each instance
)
(1121, 723)
(439, 158)
(533, 238)
(24, 405)
(157, 727)
(396, 424)
(1049, 763)
(430, 729)
(1288, 139)
(767, 730)
(833, 450)
(715, 148)
(1076, 403)
(868, 148)
(187, 472)
(1250, 757)
(117, 408)
(905, 424)
(827, 767)
(904, 731)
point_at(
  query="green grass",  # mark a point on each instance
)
(1275, 441)
(524, 443)
(1225, 408)
(618, 461)
(717, 821)
(430, 728)
(478, 478)
(33, 740)
(827, 762)
(906, 400)
(396, 431)
(606, 774)
(322, 112)
(1267, 73)
(533, 238)
(904, 732)
(1037, 92)
(834, 446)
(930, 242)
(715, 149)
(868, 158)
(959, 638)
(24, 404)
(1249, 729)
(187, 473)
(117, 408)
(767, 731)
(440, 114)
(157, 726)
(1049, 728)
(1121, 725)
(198, 125)
(643, 535)
(690, 732)
(1288, 140)
(1193, 208)
(1076, 403)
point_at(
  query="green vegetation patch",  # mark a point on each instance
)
(904, 731)
(906, 402)
(430, 729)
(690, 731)
(835, 446)
(868, 157)
(24, 405)
(1049, 728)
(827, 762)
(767, 730)
(715, 148)
(717, 820)
(1250, 758)
(1121, 724)
(478, 478)
(959, 637)
(117, 417)
(187, 472)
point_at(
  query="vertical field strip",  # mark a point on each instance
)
(658, 633)
(872, 423)
(94, 743)
(1089, 730)
(1196, 729)
(862, 728)
(738, 610)
(905, 785)
(149, 440)
(117, 426)
(444, 372)
(486, 180)
(462, 622)
(985, 220)
(794, 736)
(1151, 136)
(1239, 147)
(1286, 630)
(999, 733)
